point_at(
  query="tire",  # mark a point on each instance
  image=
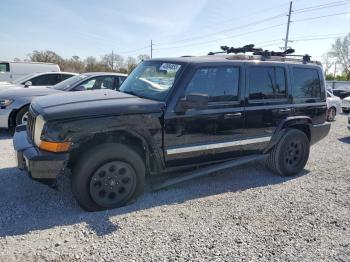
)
(345, 111)
(97, 179)
(21, 115)
(331, 113)
(290, 155)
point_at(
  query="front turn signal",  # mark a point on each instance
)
(56, 147)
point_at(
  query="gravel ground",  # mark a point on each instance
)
(246, 214)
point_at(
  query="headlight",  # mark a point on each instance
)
(39, 126)
(5, 102)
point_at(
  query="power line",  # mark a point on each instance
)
(319, 17)
(316, 7)
(223, 31)
(216, 40)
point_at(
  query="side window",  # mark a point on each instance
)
(267, 83)
(45, 80)
(4, 67)
(101, 82)
(219, 83)
(307, 83)
(65, 76)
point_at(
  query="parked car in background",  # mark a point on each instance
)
(10, 71)
(207, 113)
(14, 103)
(345, 105)
(340, 89)
(38, 79)
(334, 106)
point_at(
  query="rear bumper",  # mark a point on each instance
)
(319, 132)
(39, 165)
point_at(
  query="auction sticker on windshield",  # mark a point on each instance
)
(170, 67)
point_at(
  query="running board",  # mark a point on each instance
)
(207, 170)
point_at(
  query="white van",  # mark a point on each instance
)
(10, 71)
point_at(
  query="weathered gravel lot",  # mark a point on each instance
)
(245, 214)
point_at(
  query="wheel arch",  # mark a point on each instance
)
(302, 123)
(12, 117)
(129, 138)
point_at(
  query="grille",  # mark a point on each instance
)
(30, 125)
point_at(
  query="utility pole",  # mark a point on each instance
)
(151, 48)
(287, 33)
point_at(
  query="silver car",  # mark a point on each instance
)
(14, 103)
(37, 79)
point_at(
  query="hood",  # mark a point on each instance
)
(14, 92)
(93, 103)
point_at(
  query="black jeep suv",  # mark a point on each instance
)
(204, 113)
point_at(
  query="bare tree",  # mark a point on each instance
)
(74, 65)
(142, 57)
(130, 64)
(93, 65)
(16, 59)
(113, 61)
(341, 52)
(46, 57)
(327, 63)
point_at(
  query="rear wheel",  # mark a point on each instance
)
(22, 116)
(331, 113)
(291, 153)
(108, 176)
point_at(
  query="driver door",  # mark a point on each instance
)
(210, 133)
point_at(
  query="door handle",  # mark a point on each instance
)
(285, 110)
(232, 115)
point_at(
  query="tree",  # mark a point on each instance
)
(340, 51)
(113, 61)
(46, 57)
(92, 65)
(327, 63)
(130, 64)
(16, 59)
(74, 65)
(143, 57)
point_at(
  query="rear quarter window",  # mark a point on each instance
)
(307, 84)
(4, 67)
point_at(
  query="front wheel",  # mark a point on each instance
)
(291, 153)
(108, 176)
(22, 116)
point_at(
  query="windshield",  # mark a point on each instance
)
(66, 84)
(151, 80)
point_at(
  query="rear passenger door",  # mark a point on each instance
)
(212, 133)
(267, 103)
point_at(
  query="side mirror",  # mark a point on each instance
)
(79, 88)
(27, 84)
(193, 101)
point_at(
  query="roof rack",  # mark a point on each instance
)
(263, 54)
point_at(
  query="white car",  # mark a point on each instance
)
(345, 105)
(37, 79)
(334, 106)
(10, 71)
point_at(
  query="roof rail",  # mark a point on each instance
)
(263, 54)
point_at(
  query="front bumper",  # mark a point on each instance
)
(40, 165)
(319, 132)
(4, 117)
